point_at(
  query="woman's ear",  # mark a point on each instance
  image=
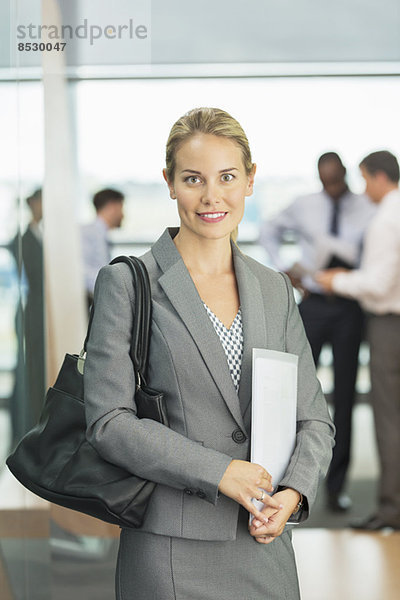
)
(170, 185)
(250, 180)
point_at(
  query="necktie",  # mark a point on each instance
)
(334, 228)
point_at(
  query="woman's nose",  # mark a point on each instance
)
(210, 194)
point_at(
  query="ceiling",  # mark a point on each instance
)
(215, 31)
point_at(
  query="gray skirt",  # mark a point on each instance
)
(156, 567)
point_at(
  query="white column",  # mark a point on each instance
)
(65, 301)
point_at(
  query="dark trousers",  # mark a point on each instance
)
(339, 322)
(384, 339)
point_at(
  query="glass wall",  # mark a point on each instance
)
(122, 127)
(24, 519)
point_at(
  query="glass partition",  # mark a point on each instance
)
(24, 518)
(122, 127)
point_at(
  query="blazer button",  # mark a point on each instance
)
(238, 436)
(188, 492)
(201, 494)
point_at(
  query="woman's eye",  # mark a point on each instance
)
(227, 177)
(192, 179)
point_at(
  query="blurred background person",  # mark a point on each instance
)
(29, 387)
(328, 226)
(377, 285)
(95, 244)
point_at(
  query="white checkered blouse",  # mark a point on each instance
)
(232, 343)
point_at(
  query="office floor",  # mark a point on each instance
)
(345, 565)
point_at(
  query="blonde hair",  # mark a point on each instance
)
(213, 121)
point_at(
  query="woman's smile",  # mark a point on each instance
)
(212, 217)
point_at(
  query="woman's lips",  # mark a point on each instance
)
(212, 217)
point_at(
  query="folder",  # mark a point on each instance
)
(273, 418)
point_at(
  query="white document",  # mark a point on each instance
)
(273, 418)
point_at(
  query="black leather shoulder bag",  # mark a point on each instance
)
(55, 461)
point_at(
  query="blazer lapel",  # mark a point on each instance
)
(182, 293)
(254, 322)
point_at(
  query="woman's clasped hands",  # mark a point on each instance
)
(265, 533)
(243, 481)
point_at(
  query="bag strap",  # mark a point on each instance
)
(141, 323)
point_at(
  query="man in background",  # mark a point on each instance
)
(29, 385)
(377, 285)
(328, 226)
(95, 244)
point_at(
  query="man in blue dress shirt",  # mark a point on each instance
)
(95, 245)
(329, 227)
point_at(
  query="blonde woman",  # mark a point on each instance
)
(211, 306)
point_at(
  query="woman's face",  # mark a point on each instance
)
(210, 185)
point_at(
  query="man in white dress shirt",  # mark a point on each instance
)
(377, 285)
(328, 226)
(95, 245)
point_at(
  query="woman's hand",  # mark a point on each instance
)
(265, 533)
(243, 481)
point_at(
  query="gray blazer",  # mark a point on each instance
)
(209, 421)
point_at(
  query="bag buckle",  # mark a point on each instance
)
(81, 361)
